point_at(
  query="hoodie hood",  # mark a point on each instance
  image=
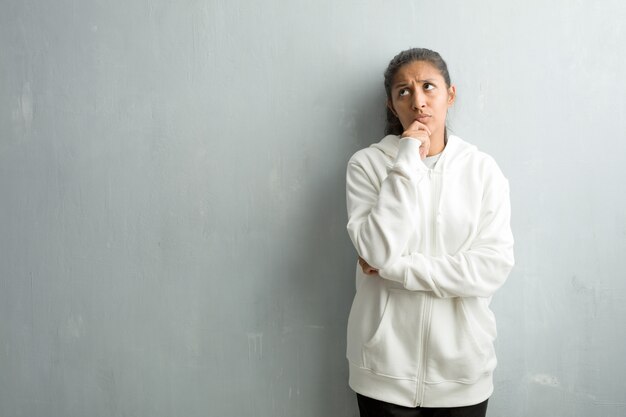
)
(388, 145)
(456, 148)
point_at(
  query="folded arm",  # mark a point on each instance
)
(475, 272)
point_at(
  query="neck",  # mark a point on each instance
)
(437, 144)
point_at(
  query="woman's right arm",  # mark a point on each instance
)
(381, 222)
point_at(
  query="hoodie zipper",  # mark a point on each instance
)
(427, 306)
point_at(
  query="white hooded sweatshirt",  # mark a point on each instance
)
(420, 333)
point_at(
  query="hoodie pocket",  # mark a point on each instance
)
(393, 348)
(458, 350)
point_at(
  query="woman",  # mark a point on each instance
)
(429, 216)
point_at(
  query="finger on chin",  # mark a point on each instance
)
(420, 126)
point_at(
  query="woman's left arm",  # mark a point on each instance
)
(476, 272)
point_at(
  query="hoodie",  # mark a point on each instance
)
(420, 332)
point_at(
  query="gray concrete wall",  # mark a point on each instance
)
(172, 215)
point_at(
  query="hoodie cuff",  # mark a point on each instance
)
(408, 162)
(394, 272)
(399, 270)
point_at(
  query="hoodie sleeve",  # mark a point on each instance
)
(476, 272)
(380, 222)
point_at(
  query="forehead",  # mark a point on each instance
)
(417, 71)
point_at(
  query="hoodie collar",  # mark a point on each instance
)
(455, 148)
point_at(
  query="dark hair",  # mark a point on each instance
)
(393, 125)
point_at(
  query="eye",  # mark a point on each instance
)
(429, 86)
(403, 92)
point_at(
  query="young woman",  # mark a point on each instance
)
(429, 216)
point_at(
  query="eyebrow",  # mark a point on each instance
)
(403, 83)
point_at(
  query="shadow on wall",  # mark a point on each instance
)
(321, 284)
(370, 115)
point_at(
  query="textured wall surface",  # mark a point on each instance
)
(172, 209)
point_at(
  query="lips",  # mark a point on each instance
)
(422, 117)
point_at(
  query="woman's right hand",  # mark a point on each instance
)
(420, 132)
(367, 268)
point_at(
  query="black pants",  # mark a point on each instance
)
(370, 407)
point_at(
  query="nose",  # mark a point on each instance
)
(419, 100)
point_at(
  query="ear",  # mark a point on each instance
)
(390, 107)
(451, 95)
